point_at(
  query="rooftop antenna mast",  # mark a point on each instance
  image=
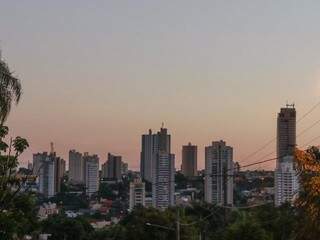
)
(290, 105)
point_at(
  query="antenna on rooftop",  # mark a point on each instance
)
(290, 105)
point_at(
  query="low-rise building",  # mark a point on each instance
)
(46, 210)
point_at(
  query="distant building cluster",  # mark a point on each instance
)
(156, 184)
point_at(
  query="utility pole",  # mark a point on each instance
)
(178, 224)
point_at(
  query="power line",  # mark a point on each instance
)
(225, 207)
(273, 139)
(308, 128)
(300, 134)
(312, 140)
(261, 148)
(308, 112)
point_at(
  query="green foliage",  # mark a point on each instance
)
(10, 90)
(17, 209)
(308, 202)
(107, 191)
(246, 229)
(71, 201)
(20, 219)
(111, 233)
(135, 224)
(65, 228)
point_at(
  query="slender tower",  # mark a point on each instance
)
(286, 180)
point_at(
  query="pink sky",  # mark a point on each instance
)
(96, 75)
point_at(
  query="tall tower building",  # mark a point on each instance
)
(286, 132)
(146, 156)
(111, 169)
(150, 145)
(91, 173)
(189, 160)
(47, 174)
(76, 167)
(137, 194)
(163, 171)
(50, 172)
(219, 174)
(60, 165)
(286, 180)
(36, 163)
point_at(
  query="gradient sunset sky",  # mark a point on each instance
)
(98, 74)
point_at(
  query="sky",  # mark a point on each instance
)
(98, 74)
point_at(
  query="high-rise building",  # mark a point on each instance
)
(91, 173)
(60, 166)
(189, 160)
(76, 167)
(111, 169)
(37, 159)
(47, 174)
(286, 132)
(163, 171)
(137, 194)
(147, 154)
(286, 180)
(50, 172)
(219, 174)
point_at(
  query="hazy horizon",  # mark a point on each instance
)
(97, 75)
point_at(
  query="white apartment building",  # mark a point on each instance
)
(286, 181)
(137, 194)
(163, 180)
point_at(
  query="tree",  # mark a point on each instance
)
(17, 212)
(308, 202)
(246, 229)
(10, 91)
(63, 228)
(280, 222)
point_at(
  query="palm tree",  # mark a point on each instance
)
(10, 91)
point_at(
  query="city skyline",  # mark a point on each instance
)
(171, 119)
(207, 70)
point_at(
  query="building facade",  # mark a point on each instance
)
(137, 194)
(91, 173)
(286, 179)
(47, 175)
(146, 156)
(286, 132)
(112, 168)
(50, 172)
(76, 167)
(189, 160)
(219, 174)
(163, 171)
